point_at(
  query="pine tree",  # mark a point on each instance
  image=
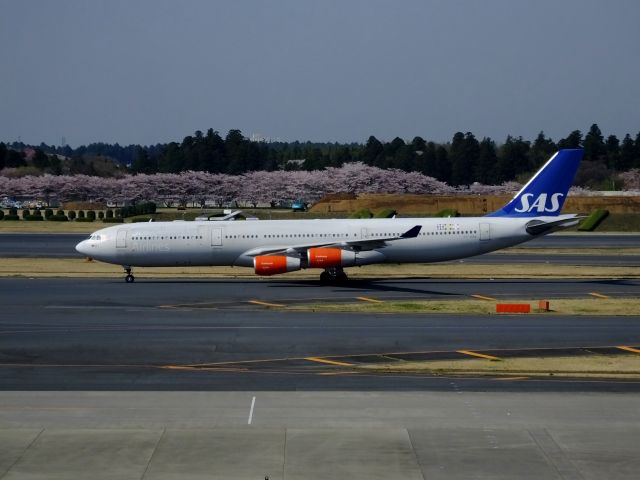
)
(627, 154)
(372, 150)
(487, 160)
(593, 144)
(541, 151)
(463, 156)
(574, 140)
(612, 151)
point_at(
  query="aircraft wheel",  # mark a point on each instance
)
(129, 278)
(325, 277)
(341, 277)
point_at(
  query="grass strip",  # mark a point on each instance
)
(601, 366)
(573, 306)
(78, 267)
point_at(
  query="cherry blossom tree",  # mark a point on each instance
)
(252, 188)
(631, 179)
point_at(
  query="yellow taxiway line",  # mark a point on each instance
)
(266, 304)
(479, 355)
(628, 349)
(482, 297)
(368, 299)
(330, 362)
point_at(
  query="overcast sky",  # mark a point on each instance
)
(155, 71)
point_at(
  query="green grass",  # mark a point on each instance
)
(601, 366)
(578, 306)
(53, 267)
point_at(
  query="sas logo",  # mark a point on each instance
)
(540, 203)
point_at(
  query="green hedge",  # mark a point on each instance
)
(1, 214)
(113, 220)
(48, 213)
(596, 217)
(91, 215)
(58, 218)
(362, 213)
(144, 208)
(36, 216)
(84, 219)
(11, 217)
(448, 212)
(385, 213)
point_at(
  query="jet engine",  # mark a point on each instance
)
(330, 257)
(272, 265)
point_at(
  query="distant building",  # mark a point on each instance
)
(261, 137)
(297, 162)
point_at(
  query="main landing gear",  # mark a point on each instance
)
(129, 278)
(333, 276)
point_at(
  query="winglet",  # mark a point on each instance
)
(545, 193)
(412, 232)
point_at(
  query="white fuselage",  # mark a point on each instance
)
(204, 243)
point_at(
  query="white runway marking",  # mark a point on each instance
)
(253, 404)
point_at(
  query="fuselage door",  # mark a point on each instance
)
(203, 234)
(121, 239)
(216, 237)
(364, 233)
(485, 231)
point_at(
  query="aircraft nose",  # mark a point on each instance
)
(83, 248)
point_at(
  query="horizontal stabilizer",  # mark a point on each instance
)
(539, 227)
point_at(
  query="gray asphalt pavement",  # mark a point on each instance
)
(102, 379)
(107, 335)
(40, 245)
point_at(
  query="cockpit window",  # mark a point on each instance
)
(95, 237)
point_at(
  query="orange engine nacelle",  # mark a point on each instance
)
(330, 257)
(272, 265)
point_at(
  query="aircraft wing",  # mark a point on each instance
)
(357, 245)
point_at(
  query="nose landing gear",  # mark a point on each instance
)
(129, 278)
(333, 276)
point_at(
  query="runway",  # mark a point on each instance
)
(107, 335)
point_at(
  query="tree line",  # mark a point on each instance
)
(462, 161)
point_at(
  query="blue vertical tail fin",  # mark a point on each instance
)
(545, 193)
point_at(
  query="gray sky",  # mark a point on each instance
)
(157, 70)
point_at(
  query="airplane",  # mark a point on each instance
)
(273, 247)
